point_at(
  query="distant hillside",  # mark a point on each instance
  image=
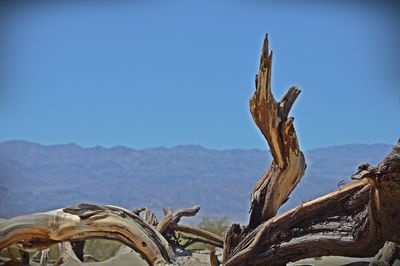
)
(36, 178)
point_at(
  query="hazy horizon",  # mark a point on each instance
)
(57, 176)
(181, 145)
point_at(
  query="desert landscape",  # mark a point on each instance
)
(357, 219)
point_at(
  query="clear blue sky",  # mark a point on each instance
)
(162, 73)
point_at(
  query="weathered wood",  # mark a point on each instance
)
(168, 226)
(91, 258)
(67, 253)
(355, 220)
(137, 211)
(352, 221)
(164, 223)
(175, 217)
(213, 256)
(217, 240)
(85, 221)
(44, 257)
(185, 212)
(387, 255)
(288, 164)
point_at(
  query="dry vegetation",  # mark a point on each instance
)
(356, 220)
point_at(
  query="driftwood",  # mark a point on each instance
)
(155, 241)
(41, 230)
(169, 227)
(355, 220)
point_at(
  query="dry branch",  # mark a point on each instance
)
(288, 164)
(40, 230)
(213, 256)
(169, 226)
(355, 220)
(215, 239)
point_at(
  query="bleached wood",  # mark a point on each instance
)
(40, 230)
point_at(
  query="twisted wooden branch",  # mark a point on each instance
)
(86, 221)
(288, 164)
(355, 220)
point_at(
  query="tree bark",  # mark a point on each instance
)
(355, 220)
(288, 164)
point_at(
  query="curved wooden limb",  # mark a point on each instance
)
(169, 227)
(355, 220)
(217, 240)
(185, 212)
(288, 165)
(86, 221)
(175, 217)
(169, 223)
(164, 223)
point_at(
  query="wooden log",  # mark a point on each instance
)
(86, 221)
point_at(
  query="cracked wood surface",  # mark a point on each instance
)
(86, 221)
(355, 220)
(288, 164)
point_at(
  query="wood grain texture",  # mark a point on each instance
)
(356, 220)
(288, 164)
(86, 221)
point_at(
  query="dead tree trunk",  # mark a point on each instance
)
(355, 220)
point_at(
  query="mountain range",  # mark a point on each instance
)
(36, 178)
